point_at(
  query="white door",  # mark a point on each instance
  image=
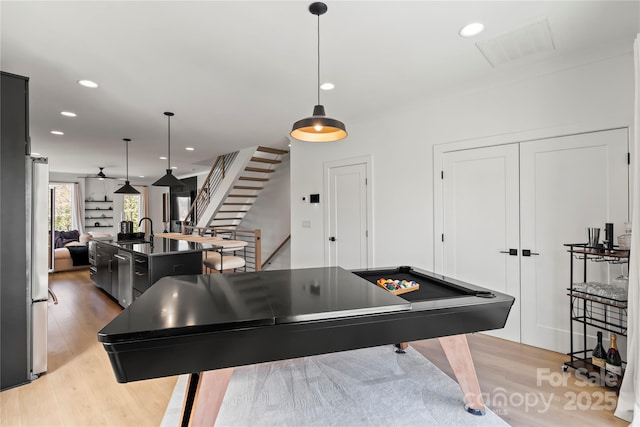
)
(480, 223)
(347, 195)
(567, 184)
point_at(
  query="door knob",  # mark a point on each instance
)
(512, 252)
(332, 239)
(527, 252)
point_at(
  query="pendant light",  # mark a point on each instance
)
(169, 180)
(127, 188)
(318, 127)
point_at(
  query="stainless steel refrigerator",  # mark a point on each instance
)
(37, 225)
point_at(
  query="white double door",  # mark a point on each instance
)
(507, 210)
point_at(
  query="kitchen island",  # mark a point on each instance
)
(126, 269)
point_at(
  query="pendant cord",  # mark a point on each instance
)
(169, 144)
(127, 149)
(318, 59)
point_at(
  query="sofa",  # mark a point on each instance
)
(71, 250)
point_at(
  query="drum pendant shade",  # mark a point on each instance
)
(318, 127)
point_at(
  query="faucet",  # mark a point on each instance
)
(150, 227)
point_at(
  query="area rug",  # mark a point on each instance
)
(367, 387)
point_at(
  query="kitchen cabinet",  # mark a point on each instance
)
(594, 305)
(140, 274)
(125, 270)
(106, 266)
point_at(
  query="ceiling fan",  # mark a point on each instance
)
(100, 175)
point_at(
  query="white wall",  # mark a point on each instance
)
(589, 96)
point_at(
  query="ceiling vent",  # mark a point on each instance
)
(531, 40)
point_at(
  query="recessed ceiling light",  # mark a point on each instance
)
(174, 167)
(57, 132)
(35, 154)
(68, 114)
(471, 29)
(327, 86)
(189, 148)
(141, 176)
(88, 83)
(163, 158)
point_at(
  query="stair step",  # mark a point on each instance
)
(264, 160)
(251, 178)
(241, 211)
(247, 196)
(272, 150)
(227, 219)
(261, 170)
(246, 187)
(238, 204)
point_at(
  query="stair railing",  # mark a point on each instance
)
(211, 184)
(276, 251)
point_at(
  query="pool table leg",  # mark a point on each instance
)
(204, 396)
(400, 348)
(456, 348)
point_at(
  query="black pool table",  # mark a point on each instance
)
(197, 323)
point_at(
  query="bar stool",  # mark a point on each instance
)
(219, 261)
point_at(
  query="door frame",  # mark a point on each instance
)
(509, 138)
(326, 167)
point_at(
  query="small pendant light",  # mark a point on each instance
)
(169, 180)
(127, 188)
(318, 127)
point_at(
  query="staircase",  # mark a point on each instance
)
(232, 186)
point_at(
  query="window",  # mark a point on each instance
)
(132, 209)
(63, 205)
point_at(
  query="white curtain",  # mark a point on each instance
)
(76, 209)
(629, 399)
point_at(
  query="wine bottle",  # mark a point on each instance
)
(598, 355)
(613, 362)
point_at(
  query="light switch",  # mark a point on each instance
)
(306, 224)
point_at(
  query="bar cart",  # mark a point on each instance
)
(601, 306)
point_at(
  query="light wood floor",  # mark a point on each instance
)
(79, 388)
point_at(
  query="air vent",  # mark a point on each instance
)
(531, 40)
